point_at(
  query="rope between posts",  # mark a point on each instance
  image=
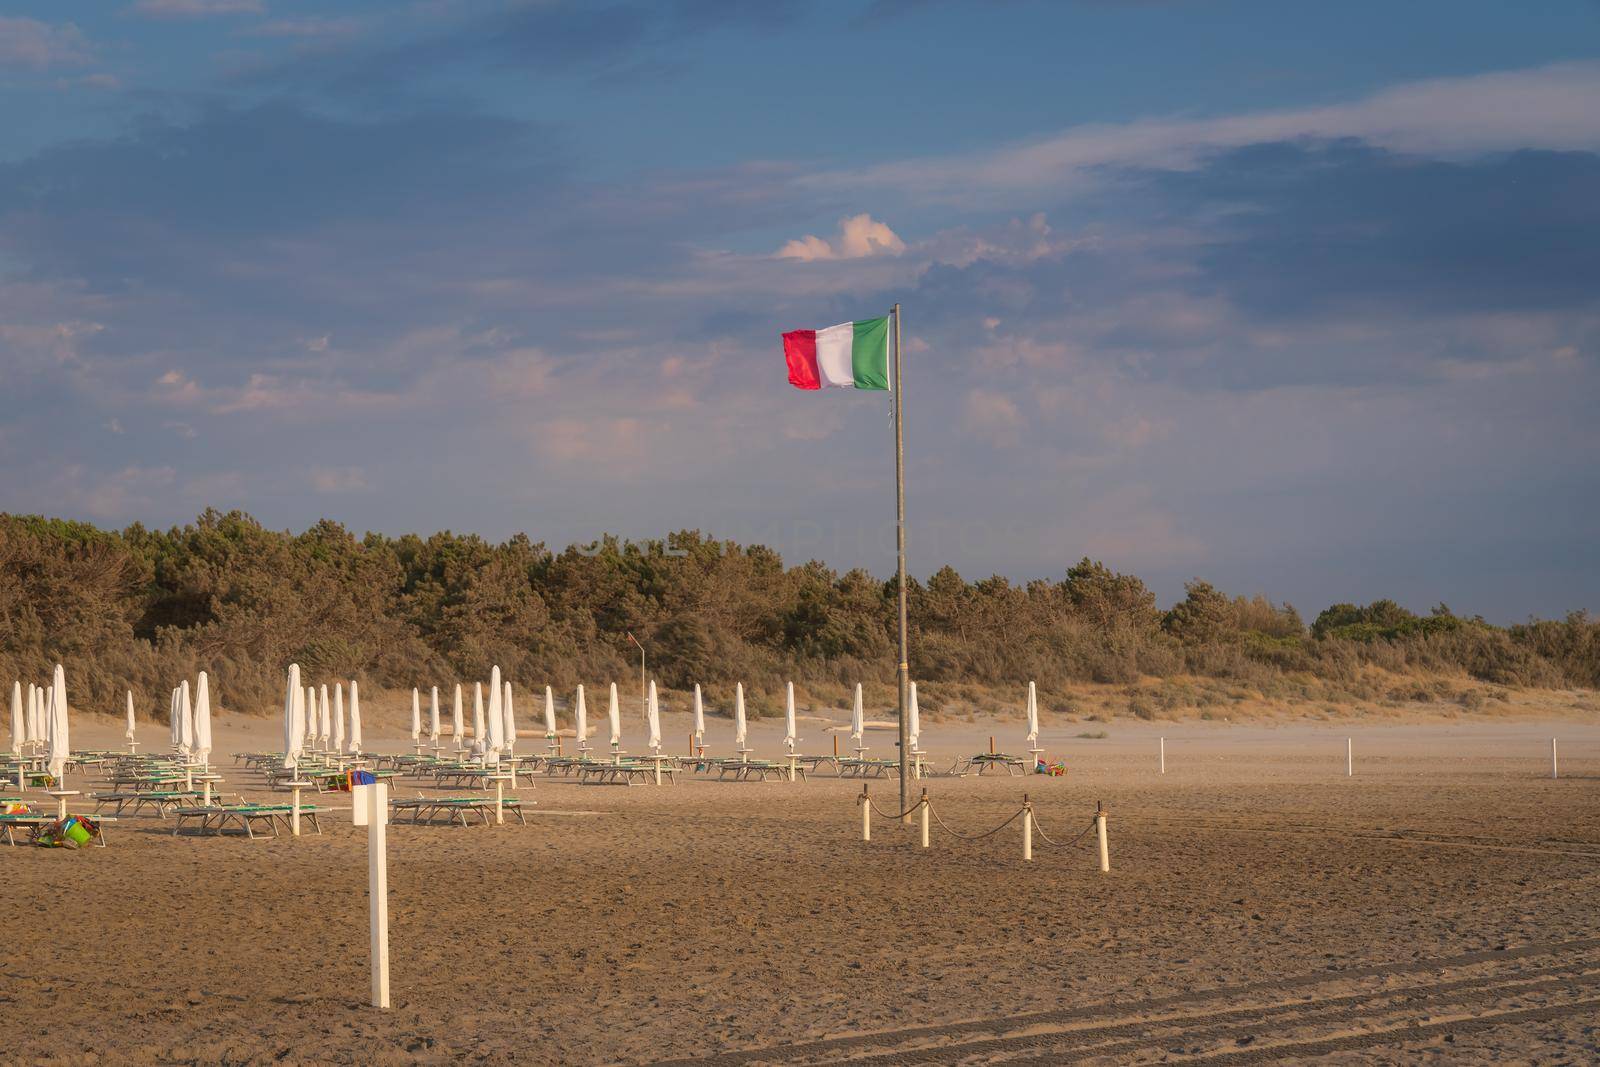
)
(973, 837)
(885, 815)
(1046, 838)
(1087, 830)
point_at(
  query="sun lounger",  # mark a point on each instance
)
(246, 817)
(626, 773)
(755, 770)
(163, 802)
(866, 768)
(454, 809)
(984, 762)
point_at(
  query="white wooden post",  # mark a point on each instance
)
(1027, 828)
(1349, 758)
(1163, 757)
(866, 816)
(1553, 766)
(924, 807)
(370, 807)
(1100, 830)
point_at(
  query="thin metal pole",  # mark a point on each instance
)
(904, 670)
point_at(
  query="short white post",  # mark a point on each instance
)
(1100, 830)
(499, 800)
(1027, 828)
(1349, 758)
(1553, 766)
(1163, 758)
(866, 815)
(924, 807)
(294, 810)
(371, 809)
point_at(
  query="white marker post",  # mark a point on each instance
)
(1553, 768)
(924, 807)
(1163, 756)
(1027, 829)
(1100, 831)
(370, 807)
(1349, 758)
(866, 816)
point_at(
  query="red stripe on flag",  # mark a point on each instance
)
(800, 353)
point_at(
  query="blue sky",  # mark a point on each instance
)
(1298, 298)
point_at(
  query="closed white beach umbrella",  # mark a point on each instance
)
(27, 713)
(308, 704)
(580, 715)
(549, 713)
(185, 720)
(338, 716)
(129, 734)
(495, 725)
(433, 716)
(60, 746)
(913, 719)
(788, 715)
(174, 720)
(19, 725)
(416, 715)
(652, 716)
(1033, 716)
(615, 714)
(459, 727)
(739, 730)
(699, 716)
(858, 721)
(202, 719)
(324, 716)
(510, 739)
(355, 718)
(294, 727)
(39, 732)
(477, 718)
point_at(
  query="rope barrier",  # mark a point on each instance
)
(952, 831)
(885, 815)
(1087, 830)
(973, 837)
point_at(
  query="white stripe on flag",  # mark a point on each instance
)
(834, 364)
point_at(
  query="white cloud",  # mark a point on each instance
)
(1543, 107)
(339, 480)
(860, 236)
(992, 417)
(189, 9)
(309, 28)
(36, 45)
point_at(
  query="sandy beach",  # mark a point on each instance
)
(1437, 905)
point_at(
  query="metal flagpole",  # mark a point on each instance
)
(904, 670)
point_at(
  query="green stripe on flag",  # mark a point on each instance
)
(869, 353)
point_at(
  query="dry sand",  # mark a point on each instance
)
(1438, 906)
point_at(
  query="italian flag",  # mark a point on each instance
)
(851, 354)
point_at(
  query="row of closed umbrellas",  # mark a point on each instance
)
(39, 721)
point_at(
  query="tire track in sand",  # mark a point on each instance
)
(1332, 1011)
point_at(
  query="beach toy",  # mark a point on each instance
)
(355, 778)
(75, 833)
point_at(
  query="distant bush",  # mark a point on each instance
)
(138, 609)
